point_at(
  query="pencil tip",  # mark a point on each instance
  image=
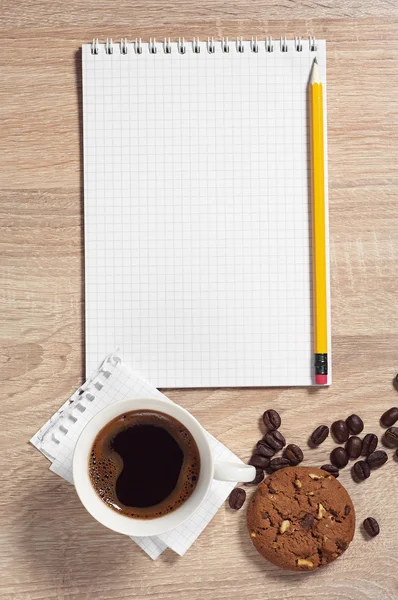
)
(315, 77)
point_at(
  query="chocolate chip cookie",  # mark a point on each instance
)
(301, 518)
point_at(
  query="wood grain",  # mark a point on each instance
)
(49, 547)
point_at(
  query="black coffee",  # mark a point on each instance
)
(144, 464)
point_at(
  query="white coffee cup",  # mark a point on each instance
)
(209, 469)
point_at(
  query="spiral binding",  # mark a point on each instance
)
(50, 435)
(225, 45)
(151, 46)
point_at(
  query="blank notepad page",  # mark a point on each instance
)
(197, 213)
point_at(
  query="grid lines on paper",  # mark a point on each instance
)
(198, 214)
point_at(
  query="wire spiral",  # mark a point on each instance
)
(210, 46)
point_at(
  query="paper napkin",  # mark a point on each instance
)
(112, 382)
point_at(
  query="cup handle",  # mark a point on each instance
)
(231, 471)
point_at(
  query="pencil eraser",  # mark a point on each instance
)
(321, 379)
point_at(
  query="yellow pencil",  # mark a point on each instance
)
(320, 308)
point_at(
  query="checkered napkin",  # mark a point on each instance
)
(112, 382)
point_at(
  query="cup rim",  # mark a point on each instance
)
(108, 516)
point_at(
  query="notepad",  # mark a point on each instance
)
(198, 210)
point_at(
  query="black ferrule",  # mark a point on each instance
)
(321, 364)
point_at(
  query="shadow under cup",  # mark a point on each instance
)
(139, 524)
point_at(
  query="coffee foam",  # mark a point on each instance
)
(106, 465)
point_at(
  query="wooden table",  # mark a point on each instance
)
(49, 547)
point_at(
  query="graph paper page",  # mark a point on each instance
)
(197, 213)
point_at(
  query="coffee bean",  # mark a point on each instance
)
(331, 469)
(390, 438)
(390, 417)
(355, 424)
(264, 449)
(294, 454)
(377, 459)
(271, 419)
(361, 470)
(353, 447)
(279, 463)
(339, 457)
(275, 439)
(237, 498)
(261, 462)
(371, 526)
(340, 431)
(258, 478)
(369, 444)
(319, 435)
(396, 454)
(307, 522)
